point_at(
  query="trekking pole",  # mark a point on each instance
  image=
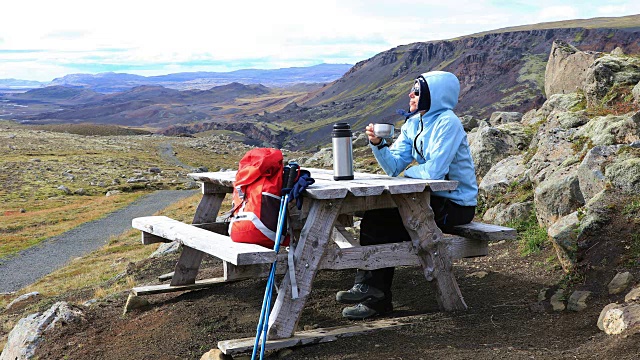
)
(290, 176)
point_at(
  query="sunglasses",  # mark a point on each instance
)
(416, 89)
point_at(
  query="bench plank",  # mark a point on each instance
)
(205, 241)
(374, 257)
(316, 336)
(167, 288)
(486, 232)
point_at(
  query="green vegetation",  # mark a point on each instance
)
(529, 154)
(531, 236)
(533, 69)
(92, 129)
(617, 101)
(634, 250)
(51, 182)
(516, 96)
(632, 209)
(48, 218)
(571, 279)
(579, 37)
(582, 144)
(582, 104)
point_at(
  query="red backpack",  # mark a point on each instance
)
(256, 198)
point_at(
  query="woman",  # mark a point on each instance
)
(433, 137)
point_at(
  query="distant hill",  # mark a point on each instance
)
(143, 106)
(59, 95)
(115, 82)
(17, 84)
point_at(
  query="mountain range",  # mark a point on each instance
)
(116, 82)
(501, 70)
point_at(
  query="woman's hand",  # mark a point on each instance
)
(372, 138)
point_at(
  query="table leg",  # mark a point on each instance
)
(426, 237)
(188, 264)
(308, 254)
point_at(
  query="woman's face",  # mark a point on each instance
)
(414, 96)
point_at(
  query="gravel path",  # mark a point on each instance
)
(31, 264)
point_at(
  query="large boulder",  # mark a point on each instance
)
(558, 195)
(567, 68)
(591, 170)
(595, 214)
(489, 147)
(27, 334)
(492, 144)
(503, 214)
(608, 73)
(502, 175)
(636, 93)
(624, 172)
(564, 238)
(552, 149)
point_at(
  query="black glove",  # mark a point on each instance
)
(300, 187)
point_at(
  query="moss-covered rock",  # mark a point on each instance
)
(591, 170)
(608, 72)
(611, 129)
(558, 195)
(564, 238)
(636, 93)
(625, 174)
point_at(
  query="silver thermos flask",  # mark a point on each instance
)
(342, 152)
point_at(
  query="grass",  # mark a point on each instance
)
(531, 236)
(634, 250)
(104, 270)
(92, 129)
(44, 219)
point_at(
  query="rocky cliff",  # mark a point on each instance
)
(572, 161)
(498, 71)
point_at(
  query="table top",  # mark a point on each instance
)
(363, 184)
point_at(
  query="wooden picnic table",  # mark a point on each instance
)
(326, 200)
(323, 243)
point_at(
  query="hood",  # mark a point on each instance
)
(442, 89)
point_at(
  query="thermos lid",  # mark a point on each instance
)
(341, 130)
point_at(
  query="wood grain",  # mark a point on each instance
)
(205, 241)
(486, 232)
(427, 240)
(313, 242)
(316, 336)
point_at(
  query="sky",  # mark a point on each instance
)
(42, 40)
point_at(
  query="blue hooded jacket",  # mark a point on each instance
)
(441, 141)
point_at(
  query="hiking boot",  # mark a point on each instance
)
(366, 310)
(359, 293)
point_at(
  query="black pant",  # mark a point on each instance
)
(383, 226)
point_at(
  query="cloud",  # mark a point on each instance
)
(71, 35)
(67, 34)
(554, 13)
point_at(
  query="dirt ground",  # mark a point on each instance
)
(504, 319)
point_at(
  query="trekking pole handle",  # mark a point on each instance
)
(293, 175)
(285, 176)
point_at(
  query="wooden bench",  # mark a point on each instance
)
(244, 261)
